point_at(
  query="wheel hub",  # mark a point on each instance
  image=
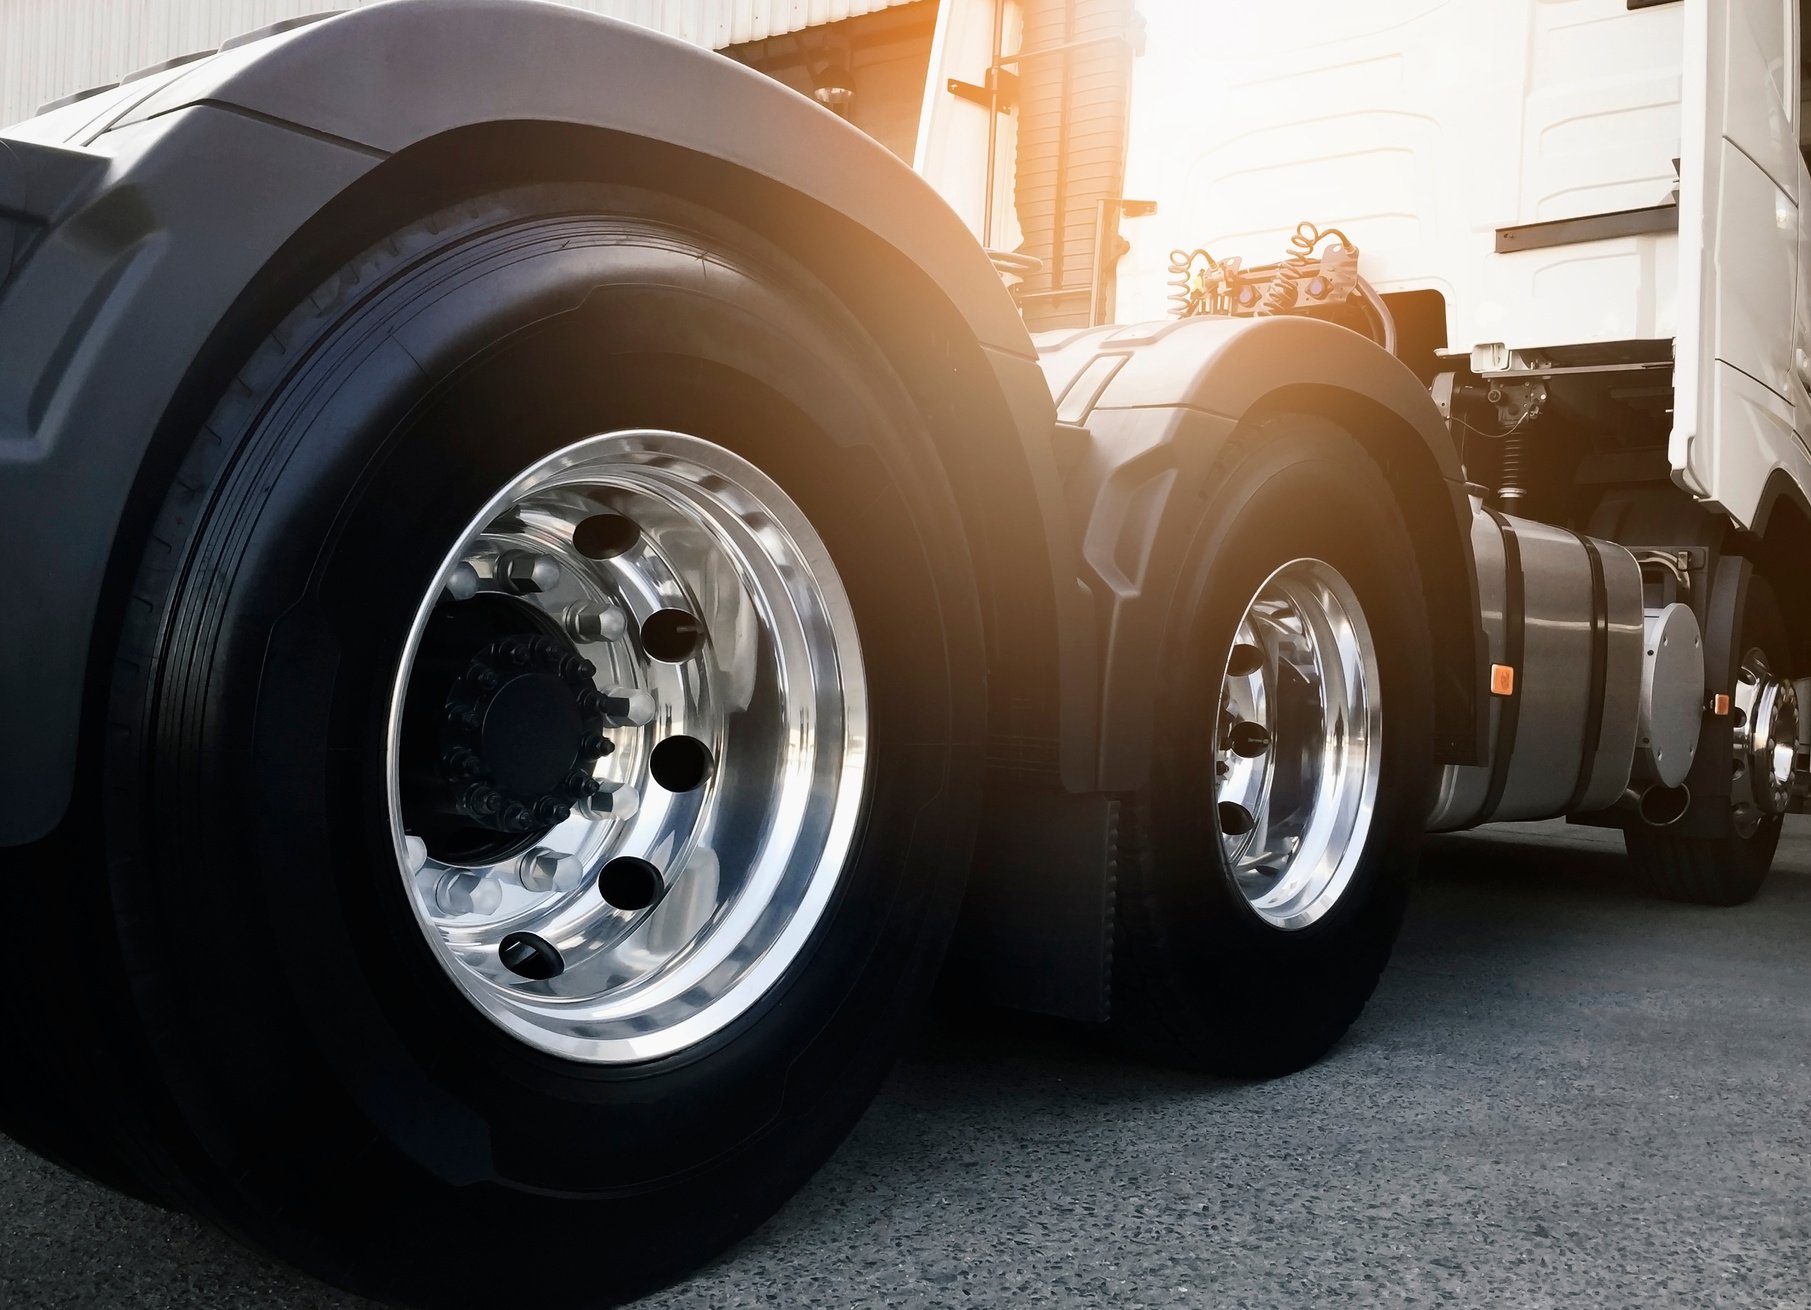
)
(502, 731)
(1766, 742)
(1297, 747)
(602, 866)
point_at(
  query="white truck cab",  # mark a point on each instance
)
(1583, 184)
(1580, 222)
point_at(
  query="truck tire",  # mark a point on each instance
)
(540, 768)
(1727, 865)
(1266, 867)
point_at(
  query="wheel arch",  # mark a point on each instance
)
(1783, 525)
(1161, 403)
(380, 115)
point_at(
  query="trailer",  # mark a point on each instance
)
(556, 585)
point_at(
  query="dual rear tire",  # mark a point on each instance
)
(1720, 852)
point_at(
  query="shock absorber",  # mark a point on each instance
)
(1518, 403)
(1512, 486)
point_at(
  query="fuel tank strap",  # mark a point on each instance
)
(1503, 753)
(1600, 658)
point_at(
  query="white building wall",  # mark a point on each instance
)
(53, 48)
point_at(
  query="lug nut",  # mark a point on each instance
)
(596, 746)
(467, 893)
(622, 707)
(459, 762)
(612, 800)
(528, 571)
(588, 622)
(480, 800)
(414, 853)
(516, 818)
(545, 870)
(462, 582)
(548, 811)
(574, 667)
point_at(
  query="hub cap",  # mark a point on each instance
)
(1766, 742)
(627, 744)
(1298, 745)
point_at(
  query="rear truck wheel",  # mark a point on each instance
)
(1725, 861)
(542, 760)
(1266, 867)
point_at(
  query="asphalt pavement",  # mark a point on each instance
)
(1562, 1094)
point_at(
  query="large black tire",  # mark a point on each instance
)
(1199, 978)
(281, 1048)
(1714, 862)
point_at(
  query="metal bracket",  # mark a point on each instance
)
(1000, 93)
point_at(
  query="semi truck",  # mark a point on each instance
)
(556, 588)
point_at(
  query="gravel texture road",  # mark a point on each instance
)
(1563, 1094)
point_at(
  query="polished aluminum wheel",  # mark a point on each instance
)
(1297, 749)
(1765, 708)
(627, 746)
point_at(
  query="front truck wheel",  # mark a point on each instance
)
(1726, 856)
(1265, 867)
(542, 757)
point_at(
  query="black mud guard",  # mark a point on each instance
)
(147, 231)
(1157, 403)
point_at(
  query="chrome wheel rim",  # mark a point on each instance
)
(1766, 743)
(627, 746)
(1297, 746)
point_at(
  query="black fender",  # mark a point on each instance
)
(1158, 403)
(194, 205)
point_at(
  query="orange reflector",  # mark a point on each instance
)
(1719, 704)
(1502, 680)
